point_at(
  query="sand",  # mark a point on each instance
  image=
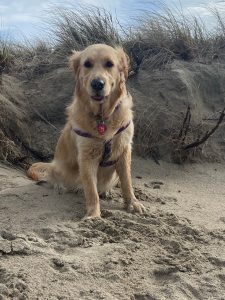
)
(175, 251)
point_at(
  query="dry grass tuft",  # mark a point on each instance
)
(78, 28)
(164, 36)
(13, 129)
(32, 60)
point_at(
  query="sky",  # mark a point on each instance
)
(23, 18)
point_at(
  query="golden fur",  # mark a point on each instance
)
(76, 159)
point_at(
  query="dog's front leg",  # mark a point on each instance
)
(88, 173)
(123, 168)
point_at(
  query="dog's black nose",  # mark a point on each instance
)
(97, 84)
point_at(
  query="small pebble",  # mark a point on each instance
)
(156, 187)
(58, 263)
(146, 185)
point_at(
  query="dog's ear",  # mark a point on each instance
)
(74, 62)
(124, 61)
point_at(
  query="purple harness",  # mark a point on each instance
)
(107, 149)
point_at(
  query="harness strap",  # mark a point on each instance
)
(107, 149)
(122, 128)
(82, 133)
(108, 163)
(107, 152)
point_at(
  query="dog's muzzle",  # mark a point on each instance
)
(97, 86)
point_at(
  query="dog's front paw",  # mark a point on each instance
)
(92, 214)
(135, 206)
(89, 217)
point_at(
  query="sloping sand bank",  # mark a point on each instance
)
(175, 251)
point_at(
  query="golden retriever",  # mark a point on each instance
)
(94, 148)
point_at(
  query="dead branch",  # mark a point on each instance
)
(185, 126)
(207, 134)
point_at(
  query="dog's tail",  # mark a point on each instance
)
(40, 171)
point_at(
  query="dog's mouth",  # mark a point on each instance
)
(97, 97)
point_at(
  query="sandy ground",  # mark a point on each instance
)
(175, 251)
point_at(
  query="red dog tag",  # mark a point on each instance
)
(102, 128)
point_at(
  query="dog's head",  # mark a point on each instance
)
(100, 71)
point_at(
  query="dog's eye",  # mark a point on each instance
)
(88, 64)
(109, 64)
